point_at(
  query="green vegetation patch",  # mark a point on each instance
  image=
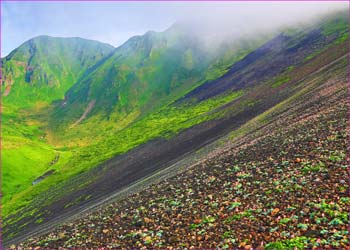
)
(290, 244)
(280, 81)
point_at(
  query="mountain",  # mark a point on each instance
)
(145, 73)
(44, 68)
(148, 108)
(140, 77)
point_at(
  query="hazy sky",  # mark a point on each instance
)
(115, 22)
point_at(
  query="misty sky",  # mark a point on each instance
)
(115, 22)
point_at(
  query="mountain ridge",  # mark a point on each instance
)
(51, 71)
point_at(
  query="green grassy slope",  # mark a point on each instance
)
(164, 123)
(23, 156)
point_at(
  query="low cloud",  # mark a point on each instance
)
(115, 22)
(221, 20)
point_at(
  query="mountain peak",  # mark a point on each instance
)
(48, 62)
